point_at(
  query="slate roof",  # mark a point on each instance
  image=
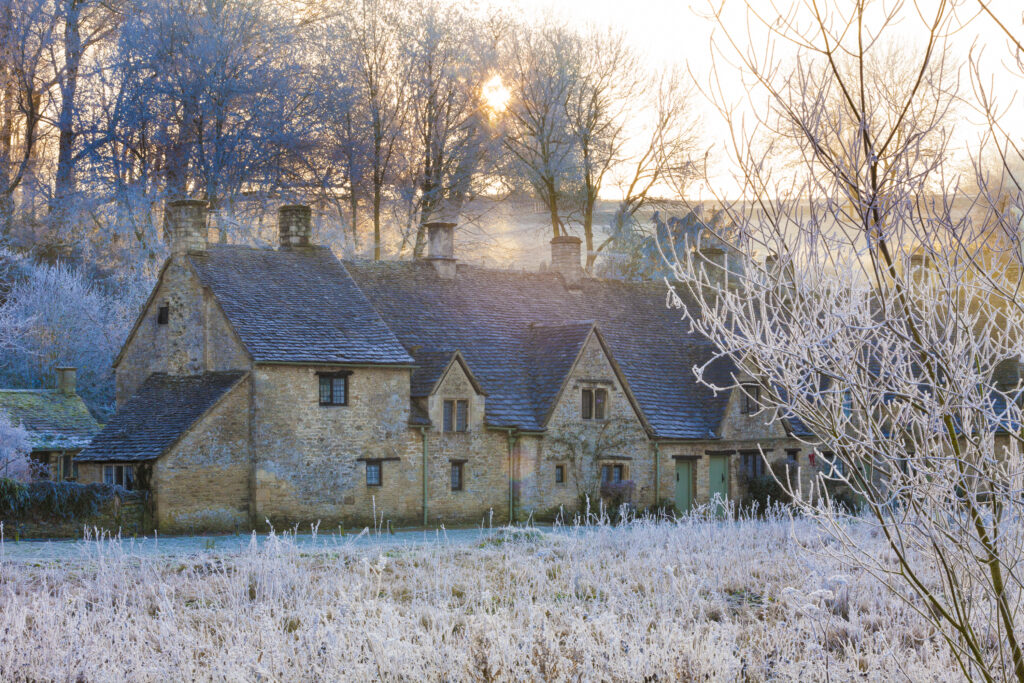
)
(55, 421)
(157, 415)
(487, 315)
(429, 367)
(550, 351)
(295, 306)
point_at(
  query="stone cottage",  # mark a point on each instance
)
(58, 423)
(285, 385)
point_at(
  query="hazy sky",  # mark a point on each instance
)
(678, 32)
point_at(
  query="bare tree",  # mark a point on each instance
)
(884, 327)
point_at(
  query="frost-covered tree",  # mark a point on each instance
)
(878, 309)
(15, 447)
(60, 316)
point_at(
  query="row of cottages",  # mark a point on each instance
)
(286, 385)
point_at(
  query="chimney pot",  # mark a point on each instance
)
(441, 248)
(295, 225)
(565, 259)
(66, 378)
(185, 225)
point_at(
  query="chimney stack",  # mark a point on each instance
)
(441, 248)
(565, 259)
(66, 381)
(295, 224)
(185, 226)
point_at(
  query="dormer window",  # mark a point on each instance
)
(333, 388)
(163, 314)
(456, 415)
(750, 401)
(595, 404)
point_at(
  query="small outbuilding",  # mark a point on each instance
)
(58, 422)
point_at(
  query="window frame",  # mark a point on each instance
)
(560, 474)
(594, 403)
(118, 476)
(753, 466)
(750, 400)
(378, 466)
(457, 476)
(450, 416)
(332, 377)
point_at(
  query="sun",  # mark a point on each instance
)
(495, 94)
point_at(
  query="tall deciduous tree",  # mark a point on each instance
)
(878, 314)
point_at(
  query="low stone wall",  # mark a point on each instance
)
(125, 514)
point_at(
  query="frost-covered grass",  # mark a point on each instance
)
(663, 601)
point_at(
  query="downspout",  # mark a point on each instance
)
(657, 474)
(511, 475)
(423, 435)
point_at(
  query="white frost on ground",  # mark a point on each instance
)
(695, 600)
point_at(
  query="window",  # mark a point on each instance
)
(456, 476)
(163, 314)
(373, 477)
(119, 475)
(559, 474)
(456, 416)
(792, 456)
(611, 474)
(750, 400)
(752, 465)
(832, 465)
(595, 404)
(334, 389)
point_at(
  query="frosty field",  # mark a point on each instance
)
(658, 601)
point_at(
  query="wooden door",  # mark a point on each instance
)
(718, 477)
(684, 485)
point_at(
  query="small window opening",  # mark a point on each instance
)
(751, 399)
(456, 416)
(752, 465)
(611, 474)
(162, 314)
(456, 476)
(373, 474)
(333, 389)
(559, 474)
(594, 404)
(119, 475)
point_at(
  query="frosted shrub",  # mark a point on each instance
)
(691, 600)
(14, 450)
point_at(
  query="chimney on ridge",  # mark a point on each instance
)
(185, 225)
(565, 259)
(295, 224)
(66, 381)
(441, 248)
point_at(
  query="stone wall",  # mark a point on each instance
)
(125, 515)
(483, 454)
(311, 459)
(202, 482)
(196, 338)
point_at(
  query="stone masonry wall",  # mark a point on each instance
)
(202, 483)
(195, 339)
(308, 456)
(484, 454)
(125, 515)
(539, 493)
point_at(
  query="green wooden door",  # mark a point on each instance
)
(684, 485)
(718, 477)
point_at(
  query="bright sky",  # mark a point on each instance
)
(677, 31)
